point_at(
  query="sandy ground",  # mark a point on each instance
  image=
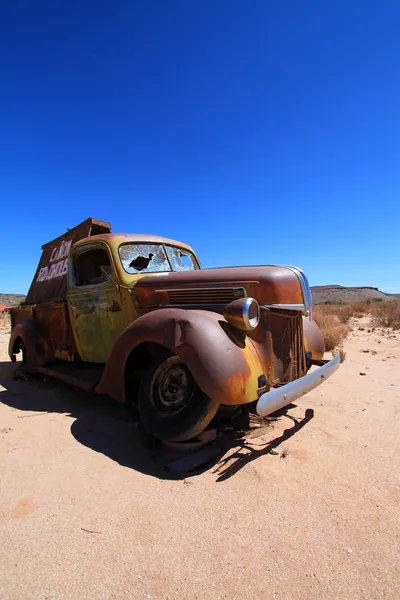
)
(85, 512)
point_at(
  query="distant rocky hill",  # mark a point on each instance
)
(11, 299)
(338, 293)
(320, 293)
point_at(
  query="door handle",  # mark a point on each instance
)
(72, 305)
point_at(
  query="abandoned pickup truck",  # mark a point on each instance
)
(137, 318)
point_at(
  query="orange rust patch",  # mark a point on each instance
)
(300, 454)
(21, 510)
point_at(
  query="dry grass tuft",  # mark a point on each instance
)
(333, 319)
(344, 312)
(333, 330)
(341, 353)
(285, 453)
(386, 314)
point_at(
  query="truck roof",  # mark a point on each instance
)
(140, 238)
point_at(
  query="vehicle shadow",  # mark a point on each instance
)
(245, 452)
(113, 429)
(98, 422)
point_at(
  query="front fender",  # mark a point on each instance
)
(225, 370)
(313, 338)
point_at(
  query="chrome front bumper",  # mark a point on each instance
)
(282, 396)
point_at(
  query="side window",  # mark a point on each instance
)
(92, 266)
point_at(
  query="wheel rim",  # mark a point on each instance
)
(173, 386)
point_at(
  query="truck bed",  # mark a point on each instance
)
(55, 317)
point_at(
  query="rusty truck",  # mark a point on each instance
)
(137, 318)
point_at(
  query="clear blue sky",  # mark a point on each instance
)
(257, 131)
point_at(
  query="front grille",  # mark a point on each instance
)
(204, 296)
(297, 349)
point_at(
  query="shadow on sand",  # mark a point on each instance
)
(113, 430)
(246, 453)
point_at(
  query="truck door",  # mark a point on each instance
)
(94, 302)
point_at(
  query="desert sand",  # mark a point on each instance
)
(86, 513)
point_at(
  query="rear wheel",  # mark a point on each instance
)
(21, 371)
(171, 404)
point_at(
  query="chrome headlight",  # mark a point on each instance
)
(243, 313)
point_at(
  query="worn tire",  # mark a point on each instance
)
(165, 410)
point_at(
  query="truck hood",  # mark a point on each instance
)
(214, 288)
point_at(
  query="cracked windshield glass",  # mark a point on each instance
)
(181, 260)
(151, 258)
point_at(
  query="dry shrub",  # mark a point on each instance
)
(345, 311)
(361, 307)
(332, 329)
(386, 314)
(332, 319)
(341, 353)
(357, 309)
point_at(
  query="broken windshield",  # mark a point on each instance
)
(152, 258)
(181, 260)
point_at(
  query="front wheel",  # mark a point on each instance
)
(171, 404)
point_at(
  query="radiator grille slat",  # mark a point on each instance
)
(205, 295)
(297, 348)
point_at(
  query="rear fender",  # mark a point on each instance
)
(224, 368)
(32, 336)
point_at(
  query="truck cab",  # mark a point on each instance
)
(136, 317)
(102, 273)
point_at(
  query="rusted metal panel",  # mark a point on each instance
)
(280, 345)
(19, 314)
(47, 325)
(99, 314)
(265, 283)
(54, 316)
(77, 382)
(313, 339)
(33, 337)
(223, 367)
(278, 339)
(50, 281)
